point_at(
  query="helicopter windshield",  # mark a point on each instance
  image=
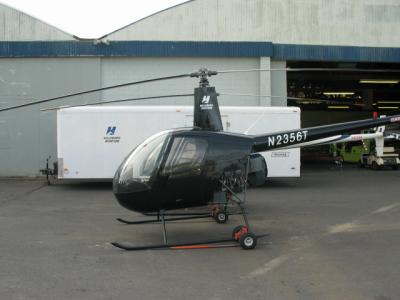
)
(144, 160)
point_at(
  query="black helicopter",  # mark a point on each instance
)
(202, 165)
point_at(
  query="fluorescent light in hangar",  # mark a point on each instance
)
(379, 81)
(339, 93)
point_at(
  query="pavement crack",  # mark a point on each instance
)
(35, 189)
(27, 193)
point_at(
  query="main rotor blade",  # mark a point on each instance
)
(328, 101)
(294, 98)
(249, 95)
(311, 70)
(118, 101)
(96, 90)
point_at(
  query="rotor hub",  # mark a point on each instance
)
(203, 74)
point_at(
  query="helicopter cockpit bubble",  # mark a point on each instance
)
(141, 164)
(166, 170)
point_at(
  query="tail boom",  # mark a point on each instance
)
(310, 136)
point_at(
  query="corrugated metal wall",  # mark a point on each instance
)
(27, 135)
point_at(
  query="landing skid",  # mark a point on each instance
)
(219, 217)
(210, 244)
(167, 219)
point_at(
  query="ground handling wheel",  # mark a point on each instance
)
(248, 241)
(221, 217)
(238, 231)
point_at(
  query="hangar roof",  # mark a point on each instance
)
(372, 23)
(19, 26)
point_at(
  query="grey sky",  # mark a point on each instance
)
(89, 18)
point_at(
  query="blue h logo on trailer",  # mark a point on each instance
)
(111, 130)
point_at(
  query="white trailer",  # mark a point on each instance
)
(93, 141)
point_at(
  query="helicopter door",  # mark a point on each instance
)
(183, 170)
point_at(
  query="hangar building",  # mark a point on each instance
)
(38, 61)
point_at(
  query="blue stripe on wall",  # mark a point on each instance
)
(199, 49)
(335, 53)
(134, 48)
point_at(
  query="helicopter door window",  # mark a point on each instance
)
(186, 156)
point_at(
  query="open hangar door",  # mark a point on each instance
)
(341, 95)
